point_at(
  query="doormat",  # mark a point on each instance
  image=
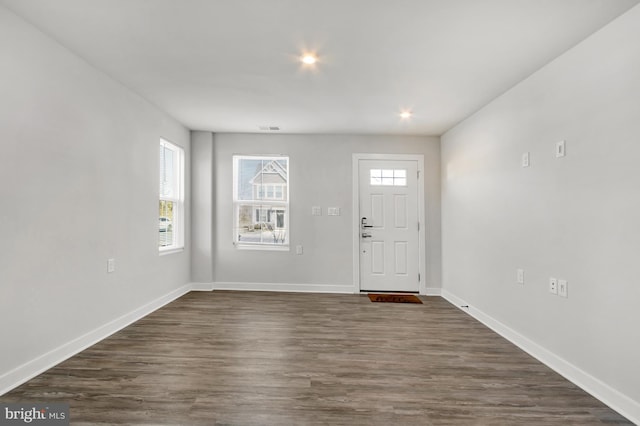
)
(394, 298)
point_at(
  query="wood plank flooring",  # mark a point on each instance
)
(252, 358)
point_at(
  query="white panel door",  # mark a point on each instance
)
(389, 229)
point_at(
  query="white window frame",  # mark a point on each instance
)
(283, 202)
(178, 221)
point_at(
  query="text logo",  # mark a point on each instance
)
(40, 414)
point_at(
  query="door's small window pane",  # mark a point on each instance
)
(388, 177)
(375, 175)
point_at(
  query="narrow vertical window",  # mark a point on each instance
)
(171, 207)
(261, 202)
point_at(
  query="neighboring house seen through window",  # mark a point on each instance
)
(261, 201)
(171, 213)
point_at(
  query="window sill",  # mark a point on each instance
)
(172, 250)
(261, 247)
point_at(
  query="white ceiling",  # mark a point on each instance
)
(231, 66)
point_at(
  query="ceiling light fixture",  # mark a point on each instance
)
(405, 115)
(309, 59)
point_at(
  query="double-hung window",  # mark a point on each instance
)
(171, 213)
(261, 202)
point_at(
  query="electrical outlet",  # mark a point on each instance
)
(111, 265)
(563, 288)
(553, 285)
(520, 276)
(525, 159)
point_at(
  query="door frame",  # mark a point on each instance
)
(356, 214)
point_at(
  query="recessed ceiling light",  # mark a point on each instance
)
(309, 59)
(406, 115)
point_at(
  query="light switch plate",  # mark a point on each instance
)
(111, 265)
(525, 159)
(560, 149)
(520, 276)
(316, 211)
(333, 211)
(563, 288)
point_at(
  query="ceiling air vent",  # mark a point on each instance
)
(269, 128)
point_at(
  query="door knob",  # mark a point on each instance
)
(363, 223)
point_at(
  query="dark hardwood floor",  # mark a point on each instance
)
(251, 358)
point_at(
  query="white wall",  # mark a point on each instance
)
(320, 173)
(79, 172)
(202, 214)
(575, 218)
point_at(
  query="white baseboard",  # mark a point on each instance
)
(32, 368)
(201, 286)
(433, 291)
(600, 390)
(285, 287)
